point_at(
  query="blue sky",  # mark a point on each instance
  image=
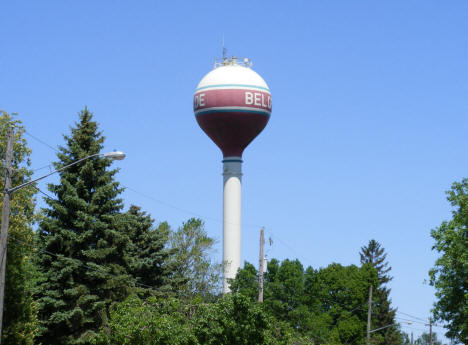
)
(367, 133)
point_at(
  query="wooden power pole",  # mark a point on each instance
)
(412, 343)
(369, 312)
(5, 221)
(260, 267)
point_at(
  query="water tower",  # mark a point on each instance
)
(232, 105)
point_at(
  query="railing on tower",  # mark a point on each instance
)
(233, 61)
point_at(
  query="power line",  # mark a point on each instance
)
(183, 210)
(44, 193)
(75, 259)
(408, 320)
(41, 141)
(415, 328)
(43, 167)
(56, 255)
(414, 317)
(171, 206)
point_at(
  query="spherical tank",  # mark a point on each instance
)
(232, 105)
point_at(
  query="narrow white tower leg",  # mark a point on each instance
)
(232, 174)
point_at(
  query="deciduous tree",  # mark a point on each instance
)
(193, 271)
(449, 275)
(19, 321)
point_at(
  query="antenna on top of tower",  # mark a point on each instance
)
(224, 50)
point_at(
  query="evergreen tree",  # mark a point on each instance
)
(19, 319)
(148, 254)
(375, 255)
(84, 250)
(382, 312)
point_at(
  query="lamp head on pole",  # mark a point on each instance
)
(116, 155)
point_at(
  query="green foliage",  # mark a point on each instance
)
(425, 339)
(382, 312)
(19, 316)
(375, 255)
(322, 306)
(231, 320)
(147, 252)
(449, 275)
(150, 322)
(84, 229)
(193, 272)
(246, 282)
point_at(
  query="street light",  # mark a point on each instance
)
(115, 155)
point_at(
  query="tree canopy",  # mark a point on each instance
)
(84, 248)
(449, 275)
(326, 305)
(19, 321)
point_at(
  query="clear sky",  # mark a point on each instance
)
(367, 133)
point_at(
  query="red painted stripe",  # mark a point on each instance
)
(254, 99)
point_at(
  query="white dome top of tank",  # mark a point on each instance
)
(233, 74)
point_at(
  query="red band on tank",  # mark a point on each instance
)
(242, 98)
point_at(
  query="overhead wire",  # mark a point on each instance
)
(273, 235)
(75, 259)
(57, 255)
(414, 317)
(40, 141)
(42, 168)
(183, 210)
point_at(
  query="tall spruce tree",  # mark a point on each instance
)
(382, 312)
(19, 321)
(84, 250)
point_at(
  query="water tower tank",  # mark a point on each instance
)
(232, 105)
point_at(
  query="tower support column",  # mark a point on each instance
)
(232, 217)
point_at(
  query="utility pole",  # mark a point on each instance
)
(430, 331)
(412, 343)
(5, 221)
(369, 312)
(260, 268)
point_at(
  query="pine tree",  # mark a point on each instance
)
(382, 312)
(147, 252)
(376, 256)
(19, 321)
(84, 249)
